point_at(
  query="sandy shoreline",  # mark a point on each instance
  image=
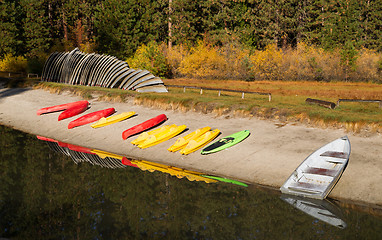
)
(267, 157)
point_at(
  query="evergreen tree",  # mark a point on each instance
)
(371, 22)
(187, 21)
(123, 26)
(312, 15)
(8, 28)
(35, 27)
(340, 23)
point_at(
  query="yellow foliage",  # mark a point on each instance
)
(204, 61)
(306, 62)
(238, 61)
(175, 56)
(367, 64)
(267, 64)
(88, 47)
(13, 64)
(151, 57)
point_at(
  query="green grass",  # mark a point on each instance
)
(284, 104)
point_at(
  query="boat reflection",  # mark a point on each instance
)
(110, 160)
(322, 210)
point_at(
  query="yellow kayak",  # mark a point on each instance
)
(143, 136)
(200, 142)
(162, 136)
(103, 154)
(113, 119)
(174, 171)
(183, 141)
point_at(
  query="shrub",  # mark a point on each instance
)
(175, 56)
(267, 64)
(203, 61)
(36, 64)
(151, 57)
(368, 65)
(11, 63)
(88, 47)
(237, 60)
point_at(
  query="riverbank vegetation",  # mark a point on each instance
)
(287, 104)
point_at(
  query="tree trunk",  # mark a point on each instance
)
(169, 25)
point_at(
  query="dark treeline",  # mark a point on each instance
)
(118, 27)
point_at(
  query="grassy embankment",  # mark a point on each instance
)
(287, 104)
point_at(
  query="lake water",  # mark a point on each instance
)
(48, 191)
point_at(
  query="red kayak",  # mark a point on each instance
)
(91, 117)
(46, 139)
(144, 126)
(73, 111)
(60, 107)
(127, 162)
(75, 147)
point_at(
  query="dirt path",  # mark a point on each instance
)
(267, 157)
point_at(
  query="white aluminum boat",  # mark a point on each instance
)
(318, 174)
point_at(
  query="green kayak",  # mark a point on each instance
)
(226, 142)
(227, 180)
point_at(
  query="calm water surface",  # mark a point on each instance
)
(48, 192)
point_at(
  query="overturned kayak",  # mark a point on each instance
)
(113, 119)
(162, 136)
(183, 141)
(74, 110)
(91, 117)
(61, 107)
(226, 142)
(144, 126)
(317, 175)
(200, 142)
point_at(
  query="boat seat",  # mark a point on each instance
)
(321, 171)
(334, 154)
(307, 187)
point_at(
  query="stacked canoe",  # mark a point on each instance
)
(78, 68)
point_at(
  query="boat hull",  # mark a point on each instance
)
(200, 142)
(143, 136)
(144, 126)
(183, 141)
(91, 117)
(163, 136)
(226, 142)
(73, 111)
(114, 119)
(61, 107)
(317, 175)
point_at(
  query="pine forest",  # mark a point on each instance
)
(312, 40)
